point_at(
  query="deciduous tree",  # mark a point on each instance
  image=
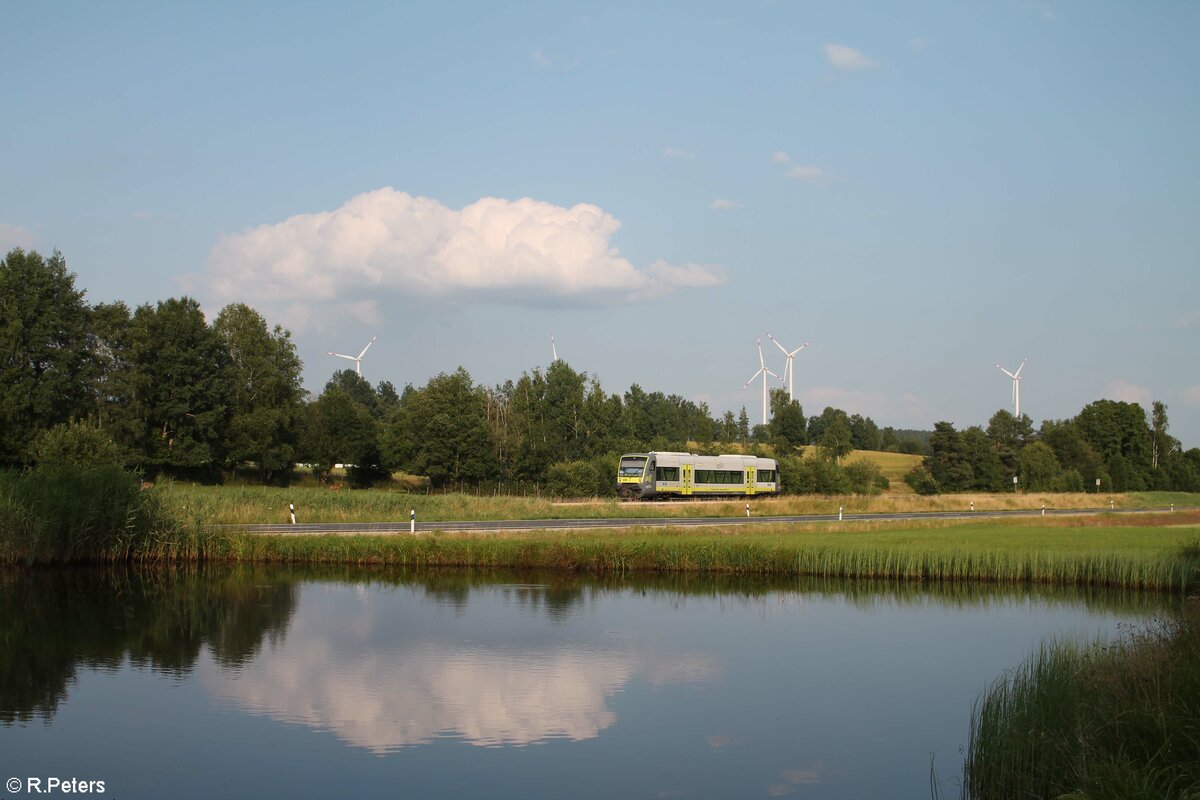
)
(45, 349)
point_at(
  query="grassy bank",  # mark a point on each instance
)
(1118, 721)
(254, 504)
(1135, 557)
(100, 514)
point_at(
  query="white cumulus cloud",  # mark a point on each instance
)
(844, 57)
(723, 204)
(519, 251)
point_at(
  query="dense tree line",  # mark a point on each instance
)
(1109, 446)
(160, 389)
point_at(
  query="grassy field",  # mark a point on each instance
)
(1162, 552)
(258, 504)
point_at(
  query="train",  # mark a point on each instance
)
(646, 476)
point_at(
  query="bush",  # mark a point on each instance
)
(863, 477)
(593, 477)
(1069, 481)
(76, 444)
(921, 481)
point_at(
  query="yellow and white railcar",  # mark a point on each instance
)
(662, 475)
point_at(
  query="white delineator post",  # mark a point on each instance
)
(840, 513)
(747, 509)
(292, 512)
(412, 521)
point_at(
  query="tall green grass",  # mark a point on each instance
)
(1132, 558)
(1117, 721)
(67, 513)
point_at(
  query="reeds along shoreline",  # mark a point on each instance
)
(69, 514)
(1118, 720)
(1172, 569)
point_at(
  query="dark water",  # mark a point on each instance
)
(283, 683)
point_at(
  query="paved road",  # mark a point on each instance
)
(493, 526)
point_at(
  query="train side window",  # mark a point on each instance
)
(666, 474)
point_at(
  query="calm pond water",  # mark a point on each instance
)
(352, 683)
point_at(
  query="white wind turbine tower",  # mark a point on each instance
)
(553, 350)
(1016, 379)
(789, 368)
(358, 358)
(762, 370)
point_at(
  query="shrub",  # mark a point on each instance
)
(921, 481)
(76, 444)
(582, 478)
(863, 477)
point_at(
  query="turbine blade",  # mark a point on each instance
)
(777, 344)
(1018, 372)
(368, 347)
(339, 355)
(752, 378)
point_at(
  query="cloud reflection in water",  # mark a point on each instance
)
(382, 695)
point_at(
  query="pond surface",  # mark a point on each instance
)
(350, 683)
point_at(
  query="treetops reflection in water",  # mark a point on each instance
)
(54, 622)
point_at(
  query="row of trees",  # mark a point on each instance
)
(168, 392)
(161, 389)
(1109, 442)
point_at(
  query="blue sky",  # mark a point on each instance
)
(920, 190)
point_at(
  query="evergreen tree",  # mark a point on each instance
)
(987, 471)
(787, 420)
(947, 462)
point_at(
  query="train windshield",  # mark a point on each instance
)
(632, 466)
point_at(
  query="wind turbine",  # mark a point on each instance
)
(762, 370)
(358, 358)
(1016, 379)
(553, 349)
(789, 368)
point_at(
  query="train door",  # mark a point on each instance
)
(686, 476)
(751, 475)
